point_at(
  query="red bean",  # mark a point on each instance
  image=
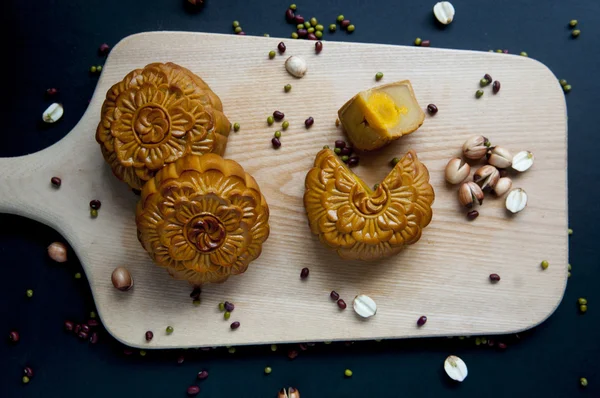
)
(425, 43)
(281, 47)
(304, 273)
(473, 214)
(353, 161)
(309, 122)
(28, 371)
(421, 321)
(203, 375)
(69, 326)
(318, 47)
(340, 144)
(342, 304)
(494, 277)
(311, 36)
(432, 109)
(234, 325)
(345, 23)
(289, 15)
(14, 336)
(149, 335)
(276, 143)
(334, 295)
(192, 391)
(496, 87)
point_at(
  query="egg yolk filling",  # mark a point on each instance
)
(382, 112)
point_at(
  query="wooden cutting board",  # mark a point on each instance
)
(444, 276)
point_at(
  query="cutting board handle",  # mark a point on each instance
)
(16, 178)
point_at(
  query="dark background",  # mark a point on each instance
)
(53, 43)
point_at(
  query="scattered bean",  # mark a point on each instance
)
(281, 47)
(289, 15)
(203, 375)
(276, 143)
(341, 304)
(169, 329)
(473, 214)
(304, 273)
(309, 122)
(278, 115)
(227, 315)
(277, 134)
(432, 109)
(378, 76)
(14, 336)
(234, 325)
(285, 125)
(268, 370)
(318, 47)
(350, 28)
(496, 87)
(311, 36)
(192, 391)
(418, 41)
(149, 335)
(575, 33)
(229, 307)
(545, 264)
(55, 181)
(422, 320)
(425, 43)
(494, 277)
(334, 295)
(345, 23)
(332, 27)
(478, 93)
(348, 373)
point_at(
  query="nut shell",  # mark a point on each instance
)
(203, 218)
(155, 116)
(365, 224)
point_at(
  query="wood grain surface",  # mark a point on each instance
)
(443, 276)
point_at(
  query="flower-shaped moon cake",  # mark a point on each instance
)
(365, 224)
(203, 218)
(155, 116)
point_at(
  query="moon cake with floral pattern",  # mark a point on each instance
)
(155, 116)
(203, 218)
(360, 223)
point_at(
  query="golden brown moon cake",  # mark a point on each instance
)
(360, 223)
(155, 116)
(203, 218)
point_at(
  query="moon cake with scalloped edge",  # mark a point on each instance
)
(360, 223)
(203, 218)
(155, 116)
